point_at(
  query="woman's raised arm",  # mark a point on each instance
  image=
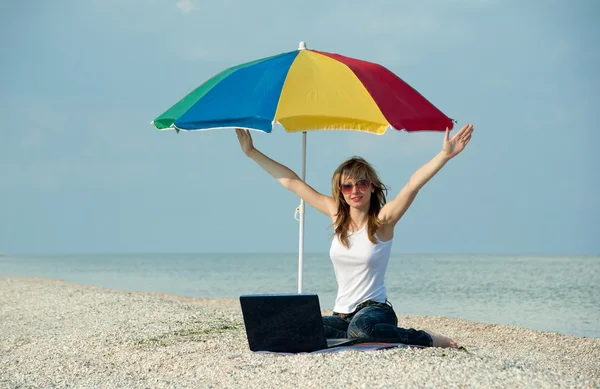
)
(393, 211)
(286, 176)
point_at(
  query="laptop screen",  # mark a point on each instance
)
(283, 322)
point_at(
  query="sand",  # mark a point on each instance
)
(58, 334)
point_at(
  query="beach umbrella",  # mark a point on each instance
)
(305, 90)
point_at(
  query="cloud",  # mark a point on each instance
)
(185, 6)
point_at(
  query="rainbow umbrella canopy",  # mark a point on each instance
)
(305, 90)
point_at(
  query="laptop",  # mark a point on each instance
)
(286, 323)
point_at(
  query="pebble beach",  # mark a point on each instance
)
(55, 334)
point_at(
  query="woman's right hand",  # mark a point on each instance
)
(245, 140)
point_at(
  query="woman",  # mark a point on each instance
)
(364, 228)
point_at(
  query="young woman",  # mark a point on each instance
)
(364, 228)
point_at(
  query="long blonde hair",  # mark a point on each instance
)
(356, 168)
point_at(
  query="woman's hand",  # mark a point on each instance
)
(245, 140)
(458, 142)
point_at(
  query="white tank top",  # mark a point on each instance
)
(359, 270)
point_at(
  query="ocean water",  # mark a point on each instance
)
(547, 293)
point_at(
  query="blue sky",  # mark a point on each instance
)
(82, 170)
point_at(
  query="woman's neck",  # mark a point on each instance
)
(358, 218)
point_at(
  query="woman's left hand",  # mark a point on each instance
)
(456, 144)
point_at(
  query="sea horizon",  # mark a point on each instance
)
(142, 252)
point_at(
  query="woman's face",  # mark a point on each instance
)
(356, 192)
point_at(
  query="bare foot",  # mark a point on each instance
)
(442, 341)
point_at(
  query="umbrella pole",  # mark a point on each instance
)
(301, 219)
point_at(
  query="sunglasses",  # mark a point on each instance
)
(361, 185)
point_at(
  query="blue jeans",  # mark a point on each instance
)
(376, 322)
